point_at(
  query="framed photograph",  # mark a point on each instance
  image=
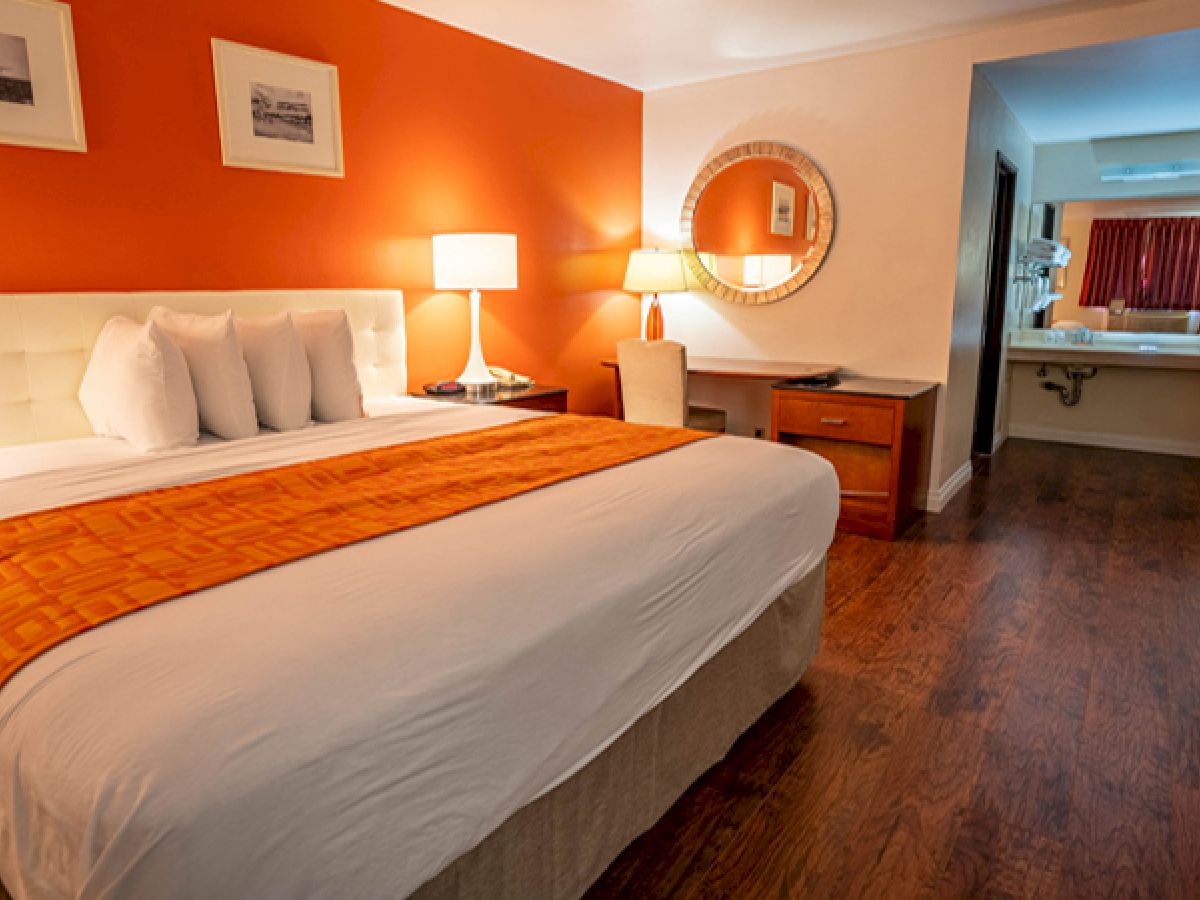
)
(276, 112)
(783, 208)
(39, 79)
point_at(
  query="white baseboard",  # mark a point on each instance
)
(998, 440)
(935, 501)
(1136, 442)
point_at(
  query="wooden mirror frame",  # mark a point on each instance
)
(816, 183)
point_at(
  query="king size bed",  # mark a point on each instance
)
(491, 703)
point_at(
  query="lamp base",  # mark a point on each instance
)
(481, 391)
(476, 377)
(654, 321)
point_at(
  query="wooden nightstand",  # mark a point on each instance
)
(546, 397)
(875, 431)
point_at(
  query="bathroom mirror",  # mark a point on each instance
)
(1142, 251)
(758, 220)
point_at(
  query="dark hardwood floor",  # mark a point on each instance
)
(1006, 704)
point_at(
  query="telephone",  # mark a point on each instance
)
(509, 379)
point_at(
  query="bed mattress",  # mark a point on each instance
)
(375, 712)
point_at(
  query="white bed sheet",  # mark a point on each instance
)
(36, 459)
(349, 724)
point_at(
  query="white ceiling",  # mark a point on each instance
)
(650, 44)
(1145, 86)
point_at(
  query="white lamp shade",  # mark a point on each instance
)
(470, 262)
(654, 271)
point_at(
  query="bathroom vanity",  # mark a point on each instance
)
(1136, 391)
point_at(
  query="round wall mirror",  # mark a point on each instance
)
(759, 219)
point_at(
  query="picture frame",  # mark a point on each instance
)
(783, 209)
(39, 77)
(277, 113)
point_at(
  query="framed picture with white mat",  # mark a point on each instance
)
(39, 78)
(276, 112)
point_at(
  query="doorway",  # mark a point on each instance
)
(1004, 197)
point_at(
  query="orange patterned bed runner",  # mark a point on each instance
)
(65, 571)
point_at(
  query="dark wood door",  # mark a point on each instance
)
(996, 300)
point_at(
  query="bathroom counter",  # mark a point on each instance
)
(1169, 354)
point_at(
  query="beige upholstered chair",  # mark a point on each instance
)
(654, 386)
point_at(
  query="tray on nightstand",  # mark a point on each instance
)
(547, 397)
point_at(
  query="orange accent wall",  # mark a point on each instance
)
(733, 215)
(442, 131)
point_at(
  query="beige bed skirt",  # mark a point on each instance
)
(558, 845)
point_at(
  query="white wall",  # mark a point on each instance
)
(992, 129)
(872, 306)
(889, 128)
(1071, 171)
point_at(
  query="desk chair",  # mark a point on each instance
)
(654, 386)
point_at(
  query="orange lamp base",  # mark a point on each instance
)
(654, 321)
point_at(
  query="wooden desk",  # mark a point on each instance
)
(724, 367)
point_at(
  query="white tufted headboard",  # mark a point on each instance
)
(46, 340)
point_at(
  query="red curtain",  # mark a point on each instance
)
(1173, 264)
(1116, 251)
(1151, 263)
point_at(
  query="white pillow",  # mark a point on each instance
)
(219, 376)
(137, 387)
(279, 373)
(329, 343)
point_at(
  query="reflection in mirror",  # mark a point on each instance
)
(753, 223)
(760, 218)
(1135, 267)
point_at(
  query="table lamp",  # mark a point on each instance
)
(654, 272)
(475, 262)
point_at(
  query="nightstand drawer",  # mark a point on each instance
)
(864, 470)
(861, 423)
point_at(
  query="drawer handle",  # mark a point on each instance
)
(825, 421)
